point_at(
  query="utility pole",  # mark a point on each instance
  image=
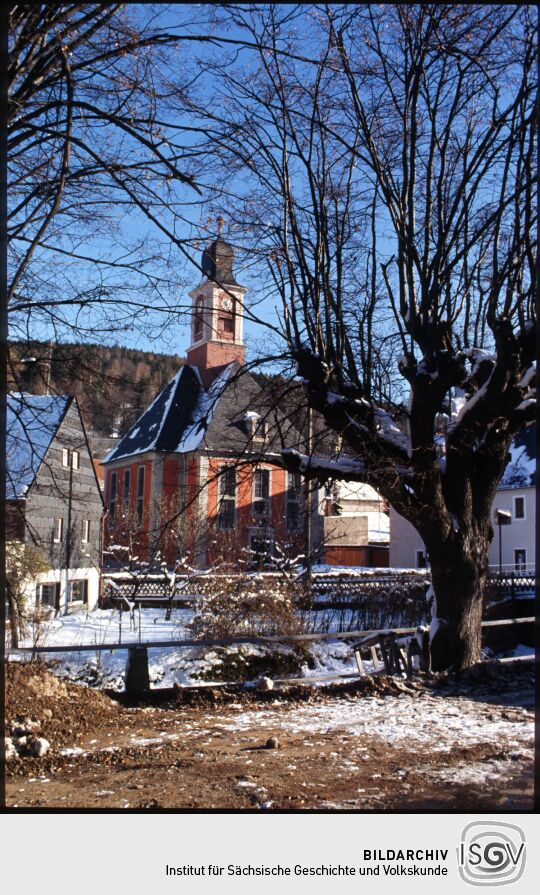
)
(308, 526)
(503, 517)
(68, 535)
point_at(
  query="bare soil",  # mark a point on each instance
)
(210, 748)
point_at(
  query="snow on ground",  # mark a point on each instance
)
(444, 723)
(166, 665)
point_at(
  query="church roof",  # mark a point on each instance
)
(185, 417)
(217, 262)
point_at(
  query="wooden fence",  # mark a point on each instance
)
(248, 638)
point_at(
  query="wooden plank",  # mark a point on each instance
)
(508, 621)
(230, 641)
(360, 664)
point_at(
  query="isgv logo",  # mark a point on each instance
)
(491, 853)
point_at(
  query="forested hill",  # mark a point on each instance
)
(113, 385)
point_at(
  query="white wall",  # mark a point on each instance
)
(54, 575)
(520, 534)
(404, 542)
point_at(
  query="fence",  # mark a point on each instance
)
(137, 677)
(404, 590)
(327, 588)
(509, 585)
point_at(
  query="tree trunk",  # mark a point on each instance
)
(14, 622)
(458, 575)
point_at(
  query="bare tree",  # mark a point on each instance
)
(385, 184)
(101, 167)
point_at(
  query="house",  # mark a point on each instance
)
(513, 546)
(53, 498)
(354, 526)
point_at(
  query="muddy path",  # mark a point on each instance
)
(467, 747)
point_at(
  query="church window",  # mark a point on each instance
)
(226, 326)
(126, 488)
(140, 494)
(226, 317)
(261, 493)
(198, 319)
(293, 501)
(227, 497)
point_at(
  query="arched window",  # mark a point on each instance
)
(198, 319)
(226, 312)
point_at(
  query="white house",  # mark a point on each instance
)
(514, 544)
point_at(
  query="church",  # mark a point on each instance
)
(198, 479)
(199, 476)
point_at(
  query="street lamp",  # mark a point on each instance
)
(502, 517)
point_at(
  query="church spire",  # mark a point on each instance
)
(217, 318)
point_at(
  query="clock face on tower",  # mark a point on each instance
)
(226, 303)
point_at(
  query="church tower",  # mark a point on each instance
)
(217, 313)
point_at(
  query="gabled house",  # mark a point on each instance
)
(54, 502)
(514, 550)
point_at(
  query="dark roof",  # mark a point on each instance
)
(217, 262)
(184, 417)
(521, 469)
(163, 425)
(32, 422)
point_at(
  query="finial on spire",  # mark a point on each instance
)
(220, 223)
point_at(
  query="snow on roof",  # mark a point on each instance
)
(177, 419)
(356, 491)
(521, 470)
(203, 413)
(32, 422)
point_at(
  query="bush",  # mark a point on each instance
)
(246, 605)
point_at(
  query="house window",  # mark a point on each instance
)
(85, 531)
(71, 458)
(519, 508)
(48, 594)
(126, 487)
(78, 591)
(58, 530)
(520, 559)
(112, 499)
(260, 430)
(293, 501)
(227, 497)
(140, 494)
(261, 493)
(420, 559)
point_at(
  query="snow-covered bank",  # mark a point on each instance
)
(177, 664)
(167, 665)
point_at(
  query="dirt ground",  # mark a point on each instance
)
(380, 744)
